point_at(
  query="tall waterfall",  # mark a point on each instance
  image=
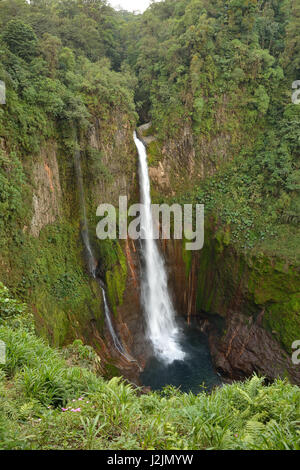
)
(160, 314)
(91, 258)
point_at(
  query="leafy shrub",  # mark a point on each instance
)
(20, 39)
(63, 407)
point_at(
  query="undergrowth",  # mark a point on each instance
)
(55, 399)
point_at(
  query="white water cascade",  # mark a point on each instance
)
(160, 314)
(92, 260)
(117, 343)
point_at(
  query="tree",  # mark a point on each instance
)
(20, 39)
(50, 47)
(291, 57)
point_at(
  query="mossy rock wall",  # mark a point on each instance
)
(250, 284)
(247, 303)
(46, 267)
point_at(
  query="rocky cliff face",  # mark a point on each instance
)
(249, 305)
(46, 198)
(44, 259)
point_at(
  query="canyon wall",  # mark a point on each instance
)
(248, 306)
(43, 260)
(248, 302)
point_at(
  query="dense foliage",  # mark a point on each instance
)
(56, 400)
(57, 60)
(222, 71)
(219, 71)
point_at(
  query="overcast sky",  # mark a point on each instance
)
(131, 5)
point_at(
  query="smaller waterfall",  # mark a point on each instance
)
(117, 343)
(160, 314)
(91, 260)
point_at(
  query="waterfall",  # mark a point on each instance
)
(160, 314)
(117, 343)
(91, 260)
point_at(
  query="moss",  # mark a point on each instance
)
(49, 274)
(206, 287)
(283, 320)
(52, 322)
(62, 321)
(187, 259)
(111, 371)
(272, 282)
(222, 237)
(114, 265)
(61, 292)
(154, 152)
(230, 281)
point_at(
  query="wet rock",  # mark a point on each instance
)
(46, 199)
(247, 347)
(243, 304)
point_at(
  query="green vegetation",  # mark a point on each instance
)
(220, 74)
(114, 271)
(255, 283)
(56, 81)
(57, 400)
(215, 78)
(220, 71)
(61, 63)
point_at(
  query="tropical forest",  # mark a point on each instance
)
(120, 331)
